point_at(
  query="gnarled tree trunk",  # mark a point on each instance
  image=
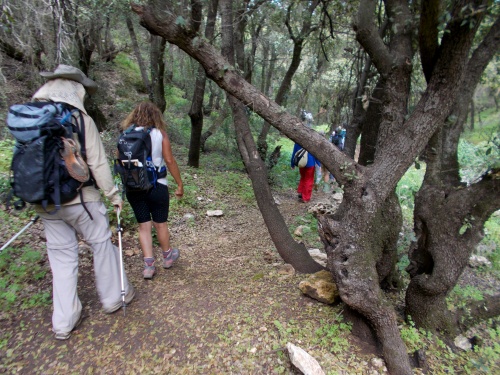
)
(449, 215)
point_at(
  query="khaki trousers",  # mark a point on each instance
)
(61, 230)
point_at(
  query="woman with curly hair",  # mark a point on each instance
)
(151, 207)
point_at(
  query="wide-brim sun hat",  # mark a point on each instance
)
(73, 74)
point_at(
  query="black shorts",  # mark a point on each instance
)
(150, 205)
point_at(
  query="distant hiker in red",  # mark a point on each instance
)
(73, 220)
(306, 183)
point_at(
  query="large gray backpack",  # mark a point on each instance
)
(39, 174)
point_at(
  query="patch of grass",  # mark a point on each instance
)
(230, 183)
(124, 61)
(4, 172)
(406, 190)
(20, 270)
(127, 217)
(282, 176)
(125, 105)
(414, 338)
(178, 129)
(477, 158)
(175, 99)
(487, 356)
(460, 295)
(208, 188)
(131, 76)
(6, 150)
(191, 191)
(333, 336)
(492, 240)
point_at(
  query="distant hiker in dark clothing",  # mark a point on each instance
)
(151, 207)
(338, 137)
(69, 85)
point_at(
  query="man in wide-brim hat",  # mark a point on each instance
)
(70, 85)
(73, 74)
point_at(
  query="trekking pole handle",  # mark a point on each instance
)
(32, 221)
(118, 221)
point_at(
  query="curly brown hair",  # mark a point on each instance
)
(145, 114)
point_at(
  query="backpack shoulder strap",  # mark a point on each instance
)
(80, 130)
(79, 125)
(133, 127)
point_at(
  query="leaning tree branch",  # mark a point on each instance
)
(481, 57)
(367, 34)
(226, 76)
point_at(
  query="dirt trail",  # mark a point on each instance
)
(219, 310)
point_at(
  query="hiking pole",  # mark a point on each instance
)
(32, 221)
(119, 230)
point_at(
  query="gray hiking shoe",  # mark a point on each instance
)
(128, 298)
(67, 335)
(172, 256)
(149, 271)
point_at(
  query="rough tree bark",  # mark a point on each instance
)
(358, 112)
(375, 242)
(386, 109)
(449, 215)
(157, 92)
(349, 242)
